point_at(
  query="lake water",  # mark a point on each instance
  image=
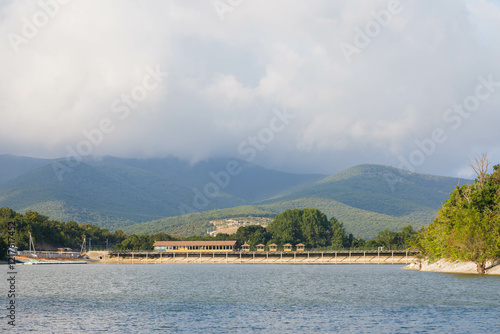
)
(252, 299)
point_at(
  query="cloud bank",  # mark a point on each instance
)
(365, 81)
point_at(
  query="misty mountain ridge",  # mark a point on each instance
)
(115, 192)
(138, 195)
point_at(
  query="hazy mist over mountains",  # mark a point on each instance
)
(136, 194)
(289, 85)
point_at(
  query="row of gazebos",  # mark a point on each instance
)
(217, 246)
(273, 247)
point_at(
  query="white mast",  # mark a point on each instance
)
(84, 245)
(32, 244)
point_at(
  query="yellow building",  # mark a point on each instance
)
(287, 247)
(245, 247)
(273, 247)
(300, 247)
(260, 247)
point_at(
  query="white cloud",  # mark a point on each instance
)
(225, 77)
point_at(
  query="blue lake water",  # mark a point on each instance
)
(252, 299)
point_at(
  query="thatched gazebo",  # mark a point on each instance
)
(300, 247)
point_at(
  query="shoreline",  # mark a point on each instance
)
(454, 267)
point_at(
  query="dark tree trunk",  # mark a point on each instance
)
(481, 268)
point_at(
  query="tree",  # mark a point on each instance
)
(135, 242)
(387, 238)
(480, 167)
(467, 227)
(308, 226)
(253, 235)
(407, 234)
(339, 238)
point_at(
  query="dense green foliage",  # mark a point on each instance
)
(361, 223)
(390, 239)
(50, 234)
(307, 226)
(467, 226)
(311, 227)
(253, 235)
(339, 238)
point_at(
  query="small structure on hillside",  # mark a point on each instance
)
(300, 247)
(273, 247)
(287, 247)
(245, 247)
(260, 247)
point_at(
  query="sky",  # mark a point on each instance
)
(299, 86)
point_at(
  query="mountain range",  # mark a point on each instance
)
(174, 196)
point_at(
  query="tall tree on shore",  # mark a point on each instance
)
(309, 226)
(467, 226)
(339, 238)
(253, 234)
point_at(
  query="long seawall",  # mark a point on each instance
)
(313, 257)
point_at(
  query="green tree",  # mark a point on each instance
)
(339, 238)
(467, 226)
(388, 238)
(408, 234)
(307, 226)
(392, 239)
(50, 234)
(253, 234)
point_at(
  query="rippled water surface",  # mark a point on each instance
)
(253, 299)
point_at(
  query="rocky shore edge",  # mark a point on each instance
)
(457, 267)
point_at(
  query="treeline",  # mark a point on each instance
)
(312, 228)
(308, 226)
(50, 234)
(467, 226)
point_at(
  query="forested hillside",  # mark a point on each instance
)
(115, 193)
(366, 199)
